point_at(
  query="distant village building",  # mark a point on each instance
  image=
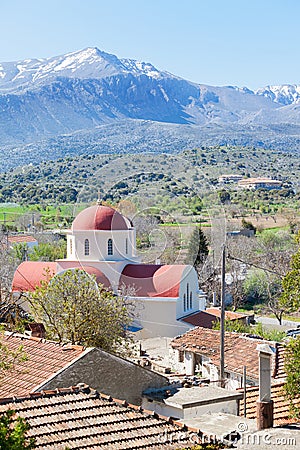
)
(211, 316)
(27, 240)
(259, 183)
(102, 243)
(231, 178)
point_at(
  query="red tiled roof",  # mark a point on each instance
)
(207, 318)
(29, 275)
(201, 319)
(79, 417)
(99, 217)
(20, 238)
(151, 280)
(44, 358)
(240, 350)
(281, 404)
(229, 315)
(279, 361)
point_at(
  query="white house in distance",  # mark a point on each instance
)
(102, 243)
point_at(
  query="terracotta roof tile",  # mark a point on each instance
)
(83, 418)
(229, 315)
(281, 404)
(20, 238)
(44, 358)
(207, 318)
(279, 362)
(200, 319)
(240, 350)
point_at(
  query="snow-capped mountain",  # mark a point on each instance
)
(41, 98)
(286, 94)
(88, 63)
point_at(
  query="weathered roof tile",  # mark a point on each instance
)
(240, 350)
(44, 358)
(281, 404)
(77, 418)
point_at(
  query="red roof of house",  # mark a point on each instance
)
(44, 359)
(20, 238)
(29, 274)
(80, 417)
(229, 315)
(210, 316)
(280, 402)
(201, 319)
(151, 280)
(240, 350)
(99, 217)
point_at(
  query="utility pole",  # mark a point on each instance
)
(222, 319)
(245, 390)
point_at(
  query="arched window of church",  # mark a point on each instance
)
(110, 247)
(184, 302)
(126, 246)
(86, 247)
(191, 300)
(187, 295)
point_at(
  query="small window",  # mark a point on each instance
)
(180, 356)
(71, 246)
(191, 300)
(184, 302)
(86, 247)
(126, 246)
(187, 295)
(110, 247)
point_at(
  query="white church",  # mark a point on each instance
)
(102, 243)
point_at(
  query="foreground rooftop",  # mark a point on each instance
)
(80, 417)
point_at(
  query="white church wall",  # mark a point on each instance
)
(188, 293)
(157, 317)
(123, 245)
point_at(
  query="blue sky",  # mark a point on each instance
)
(218, 42)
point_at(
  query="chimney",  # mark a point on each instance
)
(264, 405)
(214, 299)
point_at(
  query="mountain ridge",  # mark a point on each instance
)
(80, 91)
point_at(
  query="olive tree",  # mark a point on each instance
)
(292, 369)
(74, 308)
(291, 285)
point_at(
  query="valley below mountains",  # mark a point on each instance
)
(92, 102)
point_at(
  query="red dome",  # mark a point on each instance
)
(153, 280)
(29, 275)
(99, 217)
(100, 277)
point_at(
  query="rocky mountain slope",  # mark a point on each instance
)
(42, 99)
